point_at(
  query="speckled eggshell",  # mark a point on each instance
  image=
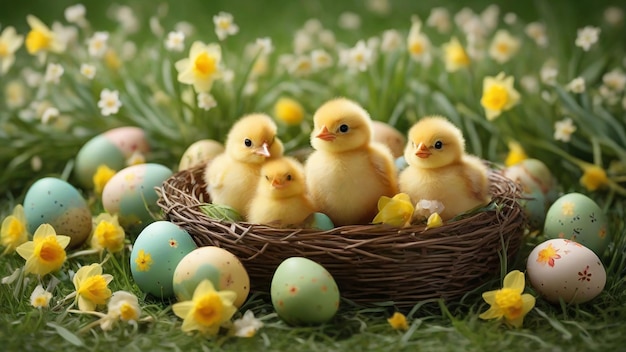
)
(130, 190)
(533, 174)
(303, 292)
(156, 252)
(577, 217)
(218, 265)
(200, 152)
(53, 201)
(564, 269)
(110, 148)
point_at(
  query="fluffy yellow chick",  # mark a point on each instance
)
(439, 169)
(281, 198)
(347, 173)
(232, 177)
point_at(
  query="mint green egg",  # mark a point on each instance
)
(322, 222)
(130, 194)
(97, 151)
(156, 252)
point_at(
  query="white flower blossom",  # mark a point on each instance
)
(175, 41)
(155, 26)
(529, 83)
(88, 70)
(15, 94)
(206, 101)
(424, 208)
(32, 77)
(40, 298)
(563, 130)
(548, 75)
(327, 38)
(53, 73)
(97, 44)
(587, 36)
(357, 58)
(250, 88)
(126, 18)
(109, 102)
(122, 306)
(300, 66)
(302, 42)
(613, 15)
(577, 85)
(349, 20)
(49, 114)
(440, 19)
(321, 59)
(75, 14)
(489, 16)
(615, 79)
(264, 45)
(247, 326)
(537, 32)
(185, 27)
(510, 18)
(391, 41)
(224, 25)
(380, 7)
(312, 26)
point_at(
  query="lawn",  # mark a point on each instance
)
(577, 129)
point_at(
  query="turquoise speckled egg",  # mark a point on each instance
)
(130, 193)
(304, 292)
(156, 252)
(53, 201)
(111, 148)
(218, 265)
(577, 217)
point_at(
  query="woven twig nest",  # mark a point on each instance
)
(371, 263)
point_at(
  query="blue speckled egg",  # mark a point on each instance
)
(130, 194)
(53, 201)
(156, 252)
(576, 217)
(111, 148)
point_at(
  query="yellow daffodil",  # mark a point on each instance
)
(396, 211)
(503, 46)
(14, 230)
(516, 154)
(40, 298)
(398, 321)
(246, 326)
(289, 111)
(455, 56)
(107, 234)
(45, 253)
(509, 303)
(41, 39)
(594, 177)
(207, 310)
(202, 67)
(91, 287)
(143, 261)
(10, 41)
(100, 178)
(498, 95)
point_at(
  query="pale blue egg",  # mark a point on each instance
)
(322, 222)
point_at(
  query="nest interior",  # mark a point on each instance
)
(370, 263)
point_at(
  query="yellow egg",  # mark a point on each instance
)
(199, 152)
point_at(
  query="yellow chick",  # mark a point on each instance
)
(347, 173)
(232, 177)
(440, 170)
(281, 198)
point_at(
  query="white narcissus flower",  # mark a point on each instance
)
(109, 102)
(175, 41)
(88, 70)
(97, 44)
(615, 80)
(577, 85)
(349, 20)
(440, 19)
(358, 58)
(49, 114)
(224, 25)
(564, 129)
(247, 326)
(321, 59)
(503, 46)
(53, 73)
(391, 41)
(587, 36)
(40, 298)
(206, 101)
(10, 41)
(537, 32)
(75, 14)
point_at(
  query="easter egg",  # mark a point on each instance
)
(111, 148)
(561, 269)
(322, 222)
(156, 252)
(577, 217)
(387, 135)
(533, 204)
(400, 163)
(53, 201)
(200, 152)
(219, 266)
(304, 292)
(130, 193)
(533, 174)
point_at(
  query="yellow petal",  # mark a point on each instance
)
(491, 313)
(490, 297)
(203, 287)
(43, 231)
(182, 309)
(85, 305)
(434, 221)
(528, 303)
(63, 241)
(26, 250)
(383, 201)
(514, 280)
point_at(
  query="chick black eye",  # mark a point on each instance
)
(247, 142)
(288, 177)
(343, 128)
(438, 144)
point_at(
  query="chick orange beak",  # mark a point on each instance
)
(277, 183)
(422, 151)
(326, 135)
(263, 150)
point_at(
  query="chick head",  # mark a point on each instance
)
(282, 178)
(434, 142)
(253, 139)
(341, 125)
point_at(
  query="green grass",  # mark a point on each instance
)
(434, 325)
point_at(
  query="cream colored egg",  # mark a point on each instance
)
(389, 136)
(199, 152)
(564, 269)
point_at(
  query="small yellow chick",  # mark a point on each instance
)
(347, 173)
(232, 177)
(440, 170)
(281, 198)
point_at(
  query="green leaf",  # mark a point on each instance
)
(221, 212)
(67, 335)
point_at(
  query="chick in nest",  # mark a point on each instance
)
(440, 170)
(347, 173)
(232, 177)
